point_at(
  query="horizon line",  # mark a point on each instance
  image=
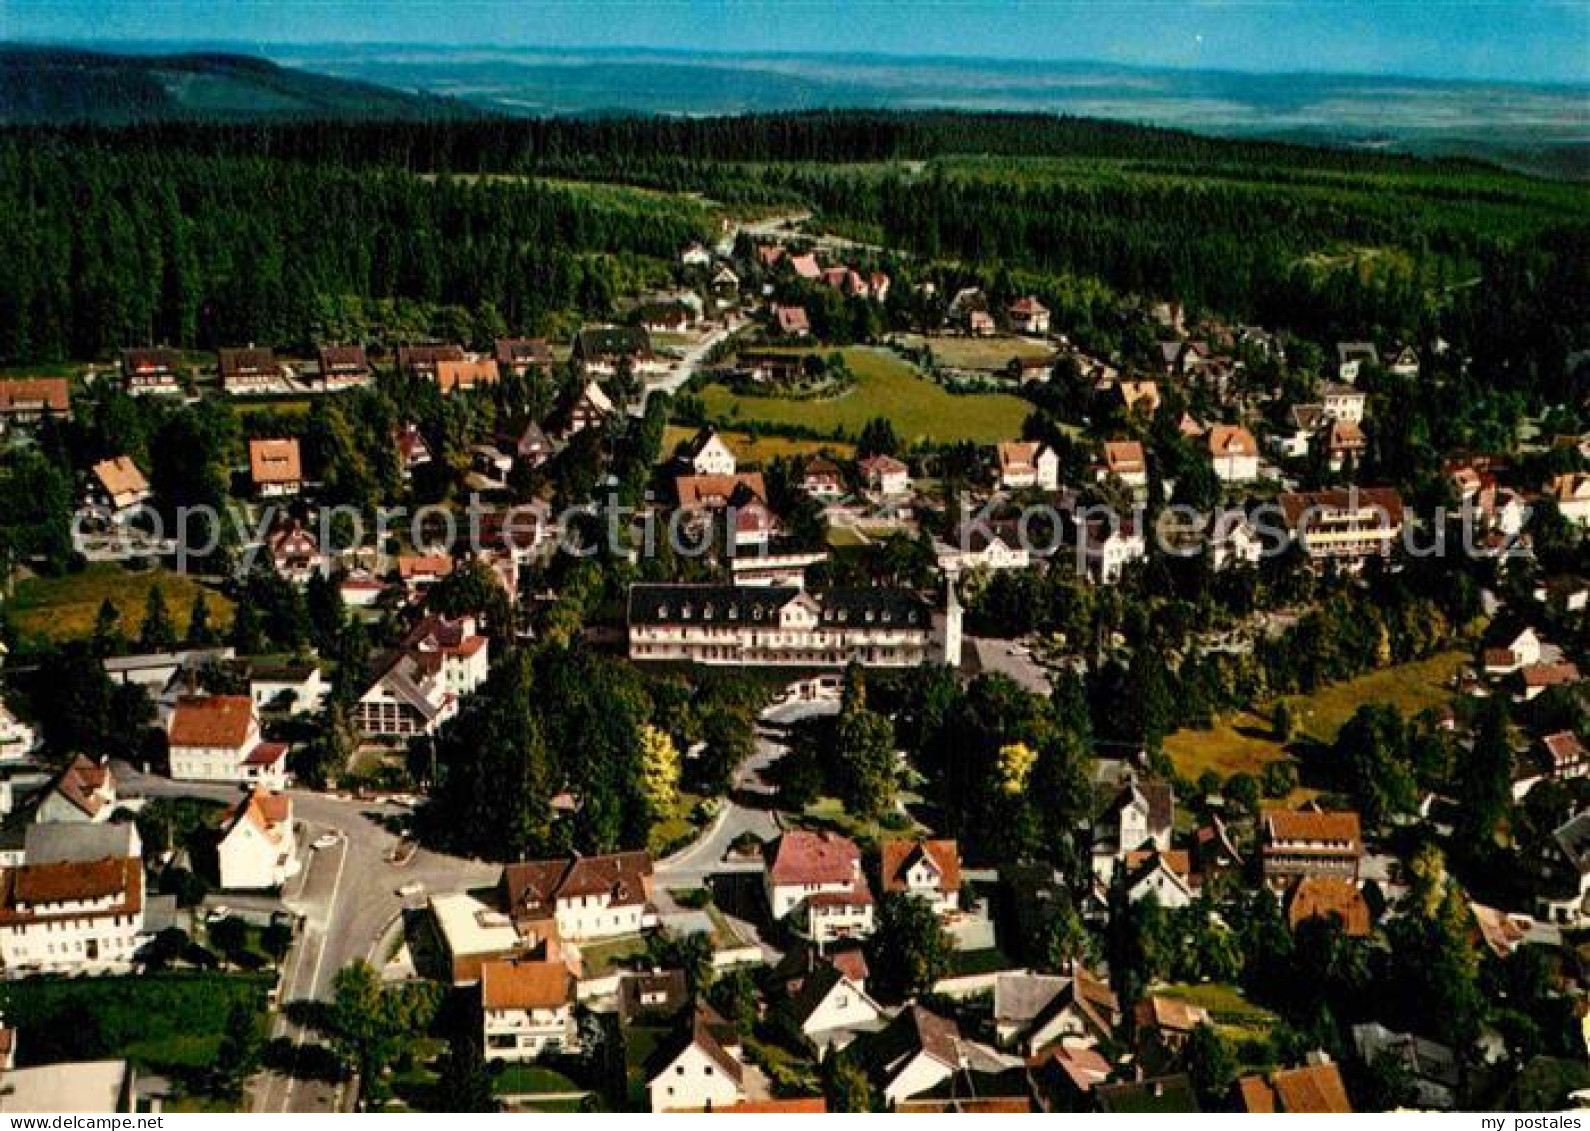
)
(262, 48)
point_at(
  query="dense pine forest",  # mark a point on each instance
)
(199, 235)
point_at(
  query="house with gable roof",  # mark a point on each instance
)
(217, 738)
(583, 898)
(527, 1009)
(85, 791)
(927, 869)
(817, 878)
(698, 1068)
(258, 847)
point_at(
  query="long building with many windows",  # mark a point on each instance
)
(779, 625)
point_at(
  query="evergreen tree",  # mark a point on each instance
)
(200, 634)
(108, 639)
(158, 632)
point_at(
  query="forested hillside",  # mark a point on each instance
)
(202, 234)
(42, 85)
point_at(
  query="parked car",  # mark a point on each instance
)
(411, 889)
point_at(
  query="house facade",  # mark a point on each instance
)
(817, 878)
(778, 625)
(217, 738)
(527, 1010)
(1310, 843)
(71, 917)
(259, 848)
(587, 897)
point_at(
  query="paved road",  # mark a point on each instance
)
(347, 899)
(694, 358)
(692, 865)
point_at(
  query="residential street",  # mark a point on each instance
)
(347, 898)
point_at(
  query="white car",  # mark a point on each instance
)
(326, 840)
(217, 913)
(411, 889)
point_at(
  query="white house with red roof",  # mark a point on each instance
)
(817, 877)
(73, 916)
(886, 475)
(217, 738)
(527, 1009)
(258, 848)
(418, 684)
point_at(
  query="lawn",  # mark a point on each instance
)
(886, 386)
(532, 1079)
(599, 958)
(760, 450)
(65, 607)
(167, 1023)
(1245, 742)
(1235, 1016)
(986, 354)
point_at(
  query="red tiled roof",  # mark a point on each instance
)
(275, 461)
(1320, 897)
(525, 985)
(1307, 825)
(23, 889)
(212, 720)
(24, 393)
(900, 855)
(814, 858)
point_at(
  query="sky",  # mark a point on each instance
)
(1517, 40)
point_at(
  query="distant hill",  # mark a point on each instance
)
(58, 85)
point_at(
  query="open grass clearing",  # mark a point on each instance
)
(886, 386)
(66, 607)
(1244, 741)
(759, 450)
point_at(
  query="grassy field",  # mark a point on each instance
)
(1235, 1016)
(169, 1023)
(987, 354)
(532, 1079)
(65, 608)
(1245, 742)
(761, 450)
(886, 386)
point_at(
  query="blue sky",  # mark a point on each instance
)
(1520, 40)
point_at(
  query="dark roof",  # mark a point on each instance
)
(342, 357)
(534, 887)
(634, 988)
(523, 351)
(1161, 1094)
(1295, 505)
(158, 359)
(428, 356)
(703, 1028)
(604, 342)
(247, 359)
(666, 604)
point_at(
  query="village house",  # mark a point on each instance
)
(1108, 548)
(1233, 452)
(605, 349)
(275, 467)
(1233, 541)
(1404, 362)
(84, 791)
(1559, 756)
(695, 254)
(806, 267)
(527, 1009)
(822, 479)
(1534, 680)
(886, 476)
(982, 546)
(829, 1006)
(525, 442)
(916, 1053)
(590, 408)
(651, 995)
(1342, 440)
(27, 400)
(1563, 884)
(1314, 1089)
(1167, 1022)
(1344, 402)
(1028, 316)
(249, 369)
(1514, 650)
(258, 848)
(413, 452)
(473, 371)
(791, 321)
(416, 687)
(817, 879)
(1430, 1067)
(18, 740)
(585, 898)
(293, 688)
(725, 284)
(117, 487)
(1135, 398)
(520, 355)
(1167, 876)
(698, 1067)
(71, 917)
(1126, 461)
(927, 869)
(778, 625)
(1035, 1011)
(343, 367)
(1351, 357)
(1344, 524)
(1310, 842)
(1026, 464)
(151, 371)
(217, 738)
(709, 454)
(294, 551)
(669, 317)
(1329, 897)
(419, 362)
